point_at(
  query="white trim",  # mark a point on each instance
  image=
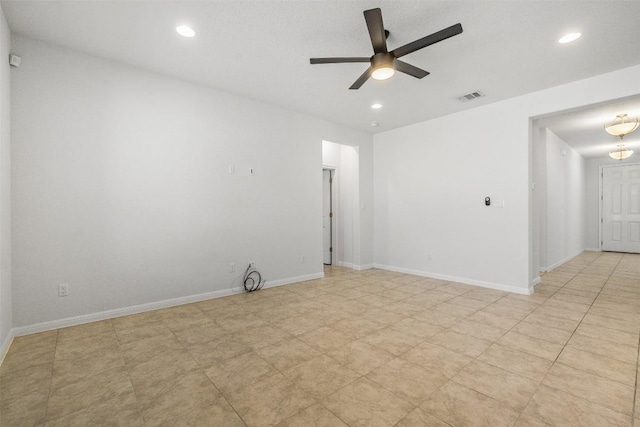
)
(354, 266)
(600, 213)
(119, 312)
(274, 283)
(4, 348)
(535, 281)
(498, 286)
(567, 259)
(592, 250)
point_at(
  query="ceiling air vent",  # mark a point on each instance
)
(471, 96)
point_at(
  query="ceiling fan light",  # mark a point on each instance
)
(621, 153)
(621, 126)
(383, 73)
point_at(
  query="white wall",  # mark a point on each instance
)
(592, 228)
(539, 201)
(565, 201)
(5, 185)
(121, 186)
(431, 178)
(366, 194)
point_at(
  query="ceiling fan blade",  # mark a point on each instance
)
(376, 30)
(403, 67)
(337, 60)
(453, 30)
(363, 78)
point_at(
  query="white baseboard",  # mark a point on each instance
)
(535, 281)
(592, 250)
(498, 286)
(567, 259)
(274, 283)
(119, 312)
(354, 266)
(4, 348)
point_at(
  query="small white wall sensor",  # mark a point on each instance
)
(14, 60)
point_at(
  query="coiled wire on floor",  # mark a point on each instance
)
(252, 280)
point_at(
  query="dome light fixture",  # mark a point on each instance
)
(621, 153)
(621, 126)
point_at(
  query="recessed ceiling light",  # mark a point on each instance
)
(568, 38)
(374, 124)
(185, 31)
(376, 106)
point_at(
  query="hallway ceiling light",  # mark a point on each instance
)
(621, 153)
(376, 106)
(621, 126)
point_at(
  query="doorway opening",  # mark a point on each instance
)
(327, 216)
(340, 164)
(568, 152)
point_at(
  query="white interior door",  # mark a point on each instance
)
(621, 208)
(327, 216)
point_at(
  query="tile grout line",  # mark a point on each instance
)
(449, 328)
(514, 326)
(395, 357)
(201, 368)
(51, 377)
(572, 333)
(126, 368)
(635, 394)
(445, 329)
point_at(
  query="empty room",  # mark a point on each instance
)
(319, 213)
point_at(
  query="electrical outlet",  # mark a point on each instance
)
(302, 259)
(252, 264)
(63, 290)
(232, 267)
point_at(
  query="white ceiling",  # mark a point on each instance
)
(583, 128)
(261, 49)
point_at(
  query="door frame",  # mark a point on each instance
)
(600, 205)
(332, 216)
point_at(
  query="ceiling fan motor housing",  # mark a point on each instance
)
(382, 60)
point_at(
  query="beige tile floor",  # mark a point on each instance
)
(371, 348)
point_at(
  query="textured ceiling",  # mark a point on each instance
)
(261, 49)
(583, 129)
